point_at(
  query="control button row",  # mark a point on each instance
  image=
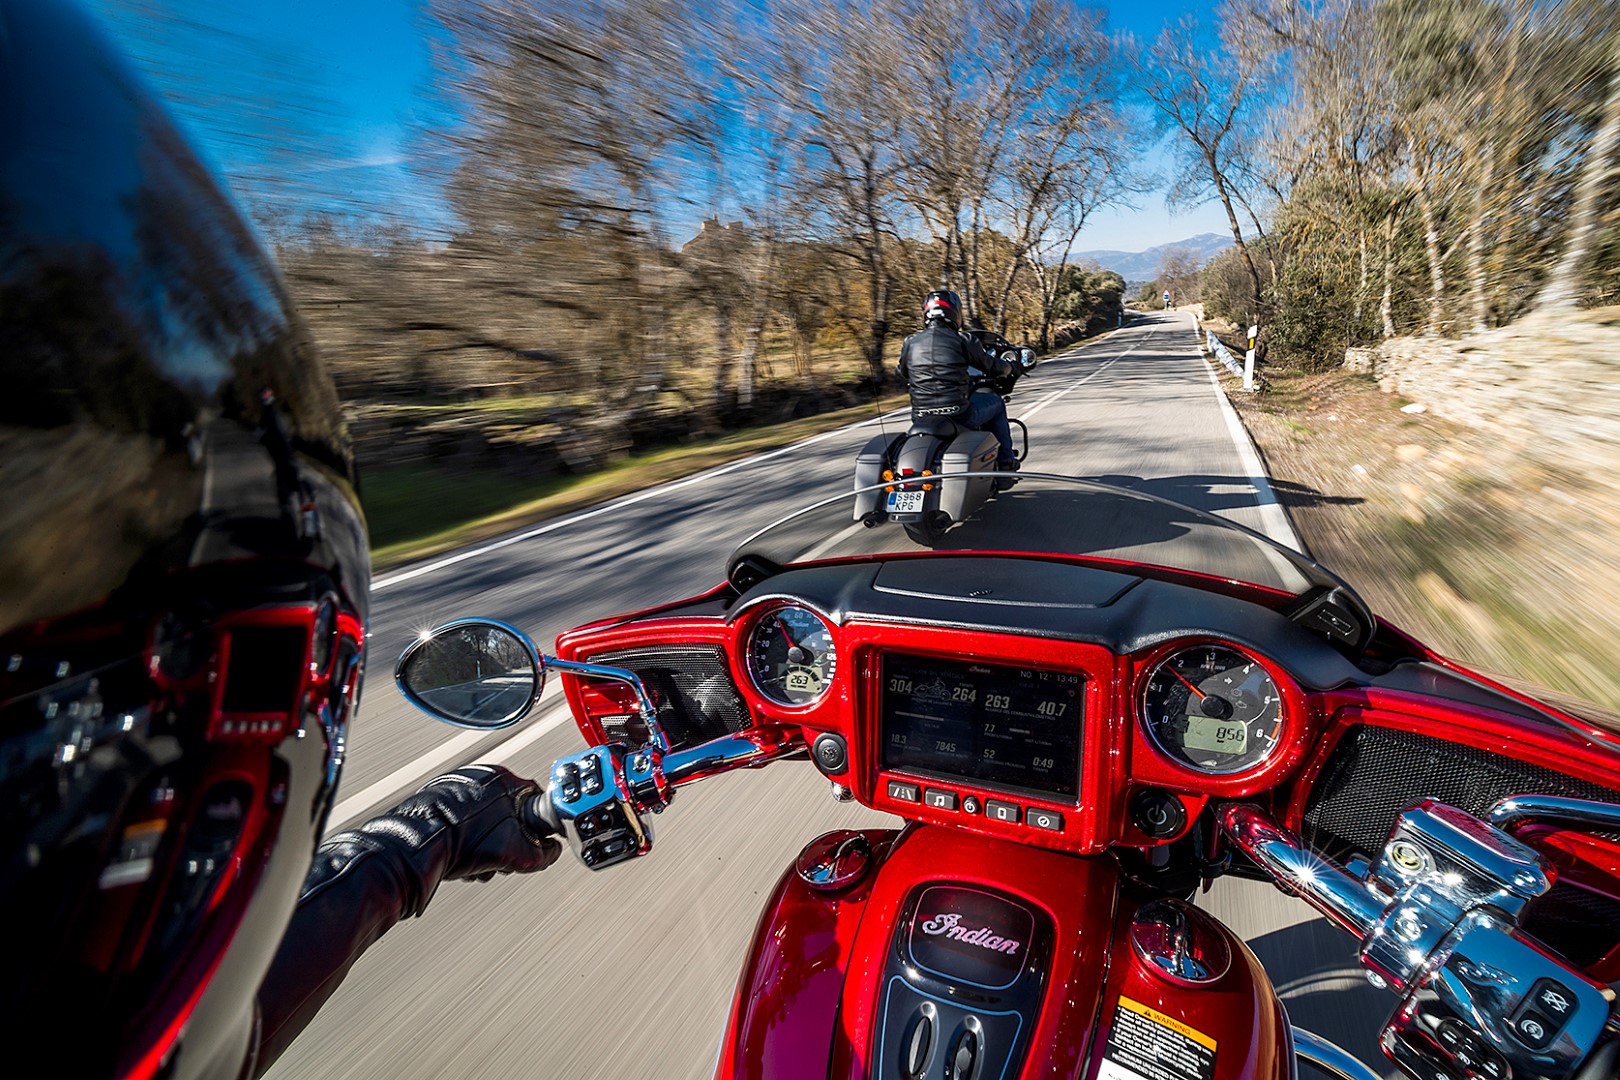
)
(994, 809)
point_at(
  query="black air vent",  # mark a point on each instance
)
(690, 684)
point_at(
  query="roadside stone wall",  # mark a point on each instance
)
(1545, 387)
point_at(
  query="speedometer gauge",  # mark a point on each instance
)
(790, 656)
(1212, 708)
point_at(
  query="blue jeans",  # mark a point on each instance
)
(987, 412)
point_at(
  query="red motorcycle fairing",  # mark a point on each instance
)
(811, 998)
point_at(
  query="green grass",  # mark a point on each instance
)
(419, 510)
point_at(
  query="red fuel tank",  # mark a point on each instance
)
(956, 949)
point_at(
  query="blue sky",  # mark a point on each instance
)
(315, 102)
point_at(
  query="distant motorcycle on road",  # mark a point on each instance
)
(941, 471)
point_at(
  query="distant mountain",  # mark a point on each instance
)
(1139, 266)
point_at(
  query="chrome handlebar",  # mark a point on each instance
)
(1438, 918)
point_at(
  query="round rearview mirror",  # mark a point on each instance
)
(1026, 358)
(473, 673)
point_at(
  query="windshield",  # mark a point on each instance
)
(1055, 515)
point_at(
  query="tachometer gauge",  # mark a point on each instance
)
(790, 656)
(1213, 709)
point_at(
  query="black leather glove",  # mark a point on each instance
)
(485, 812)
(470, 824)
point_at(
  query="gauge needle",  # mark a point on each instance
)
(1184, 679)
(785, 631)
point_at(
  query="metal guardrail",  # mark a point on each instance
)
(1223, 354)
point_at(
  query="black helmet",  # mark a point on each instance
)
(943, 304)
(183, 578)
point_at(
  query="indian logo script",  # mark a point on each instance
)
(950, 925)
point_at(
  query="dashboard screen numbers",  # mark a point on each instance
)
(1213, 708)
(985, 723)
(1217, 736)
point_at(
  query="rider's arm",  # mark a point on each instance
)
(469, 824)
(980, 357)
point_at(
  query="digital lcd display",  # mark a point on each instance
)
(985, 723)
(1217, 736)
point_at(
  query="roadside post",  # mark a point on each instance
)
(1248, 359)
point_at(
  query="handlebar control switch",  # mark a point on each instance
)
(592, 801)
(1496, 1007)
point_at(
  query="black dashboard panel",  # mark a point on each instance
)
(1120, 612)
(1004, 582)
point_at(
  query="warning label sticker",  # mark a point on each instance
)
(1145, 1044)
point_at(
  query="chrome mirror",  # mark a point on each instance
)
(474, 673)
(1026, 358)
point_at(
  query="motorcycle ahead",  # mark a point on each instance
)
(939, 448)
(1095, 703)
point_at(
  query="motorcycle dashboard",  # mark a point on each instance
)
(1033, 723)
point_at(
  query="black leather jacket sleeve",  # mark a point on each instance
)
(983, 359)
(365, 880)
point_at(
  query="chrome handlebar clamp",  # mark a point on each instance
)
(1438, 919)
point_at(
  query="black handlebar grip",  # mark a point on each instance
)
(539, 816)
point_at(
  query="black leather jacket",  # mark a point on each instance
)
(366, 879)
(934, 362)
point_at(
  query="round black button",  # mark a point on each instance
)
(829, 753)
(1157, 813)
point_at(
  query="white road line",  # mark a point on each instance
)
(552, 714)
(1272, 517)
(1048, 399)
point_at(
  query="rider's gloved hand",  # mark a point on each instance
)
(492, 828)
(470, 824)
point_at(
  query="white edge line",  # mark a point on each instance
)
(444, 754)
(1272, 516)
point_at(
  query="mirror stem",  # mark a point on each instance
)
(644, 706)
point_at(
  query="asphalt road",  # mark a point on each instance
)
(629, 973)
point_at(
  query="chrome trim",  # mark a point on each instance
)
(455, 624)
(744, 750)
(1330, 1057)
(1321, 883)
(1518, 809)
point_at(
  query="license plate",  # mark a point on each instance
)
(905, 502)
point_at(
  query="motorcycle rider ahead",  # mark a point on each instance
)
(184, 580)
(935, 361)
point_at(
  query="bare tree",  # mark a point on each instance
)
(1200, 93)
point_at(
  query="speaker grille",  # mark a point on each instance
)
(1375, 773)
(691, 687)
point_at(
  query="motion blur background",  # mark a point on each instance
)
(559, 251)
